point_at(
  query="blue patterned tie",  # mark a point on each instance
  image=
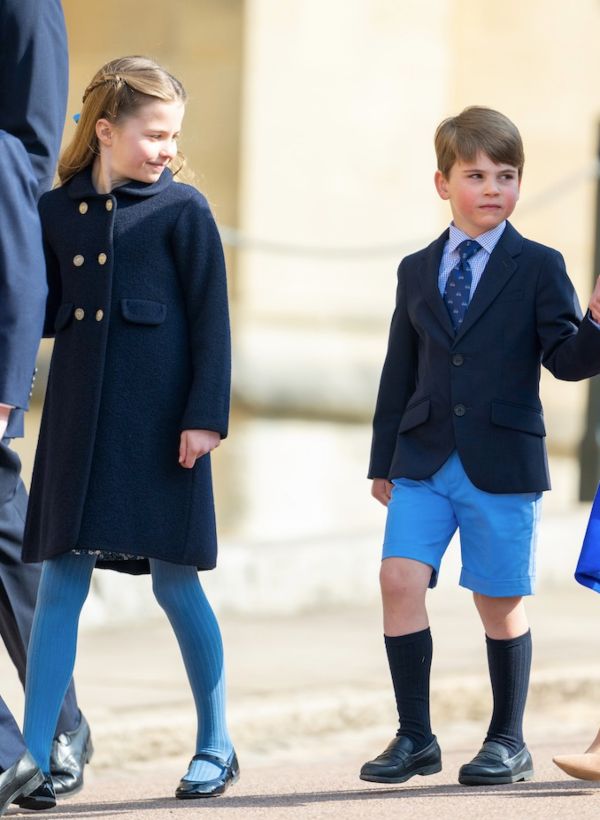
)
(458, 286)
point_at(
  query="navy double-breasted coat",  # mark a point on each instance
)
(138, 307)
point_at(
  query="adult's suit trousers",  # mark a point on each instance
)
(18, 592)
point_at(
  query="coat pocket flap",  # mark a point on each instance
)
(414, 415)
(64, 315)
(143, 311)
(518, 417)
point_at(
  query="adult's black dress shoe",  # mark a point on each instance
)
(493, 765)
(190, 789)
(41, 798)
(399, 762)
(70, 752)
(21, 779)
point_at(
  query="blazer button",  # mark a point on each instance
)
(79, 314)
(458, 359)
(83, 207)
(108, 204)
(78, 260)
(459, 410)
(102, 258)
(99, 315)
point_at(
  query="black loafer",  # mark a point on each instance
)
(40, 799)
(399, 762)
(70, 752)
(493, 765)
(191, 789)
(20, 780)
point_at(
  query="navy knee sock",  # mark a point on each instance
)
(177, 589)
(409, 657)
(64, 586)
(509, 663)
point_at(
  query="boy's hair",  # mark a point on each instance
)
(118, 90)
(478, 129)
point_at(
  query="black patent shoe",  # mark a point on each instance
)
(398, 762)
(41, 798)
(20, 780)
(494, 765)
(70, 752)
(190, 789)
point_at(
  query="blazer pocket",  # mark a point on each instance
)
(510, 296)
(414, 415)
(64, 316)
(518, 417)
(143, 311)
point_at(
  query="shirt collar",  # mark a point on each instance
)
(487, 240)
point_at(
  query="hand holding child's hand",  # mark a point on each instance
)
(595, 302)
(196, 443)
(381, 489)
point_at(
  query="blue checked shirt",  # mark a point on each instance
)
(451, 257)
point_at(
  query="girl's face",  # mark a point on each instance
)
(141, 146)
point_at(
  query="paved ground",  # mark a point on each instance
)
(310, 701)
(330, 789)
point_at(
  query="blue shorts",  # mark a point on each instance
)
(497, 531)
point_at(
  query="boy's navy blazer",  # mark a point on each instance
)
(477, 391)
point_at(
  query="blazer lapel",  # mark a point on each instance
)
(430, 273)
(499, 269)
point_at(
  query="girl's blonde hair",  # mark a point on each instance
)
(118, 90)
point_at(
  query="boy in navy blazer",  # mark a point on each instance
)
(458, 437)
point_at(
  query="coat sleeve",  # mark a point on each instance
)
(33, 80)
(570, 344)
(22, 279)
(397, 384)
(53, 277)
(201, 267)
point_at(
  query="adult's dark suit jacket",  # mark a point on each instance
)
(33, 94)
(477, 391)
(34, 74)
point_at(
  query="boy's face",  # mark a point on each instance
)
(481, 193)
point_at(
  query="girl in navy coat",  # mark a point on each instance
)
(138, 396)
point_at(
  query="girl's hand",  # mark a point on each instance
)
(195, 444)
(381, 489)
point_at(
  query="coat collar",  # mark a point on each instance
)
(80, 186)
(500, 267)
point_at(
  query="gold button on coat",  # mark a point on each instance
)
(101, 258)
(79, 314)
(83, 207)
(108, 205)
(99, 315)
(78, 260)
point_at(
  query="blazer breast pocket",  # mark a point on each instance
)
(414, 415)
(510, 296)
(143, 311)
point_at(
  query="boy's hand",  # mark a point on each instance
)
(381, 489)
(195, 444)
(595, 302)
